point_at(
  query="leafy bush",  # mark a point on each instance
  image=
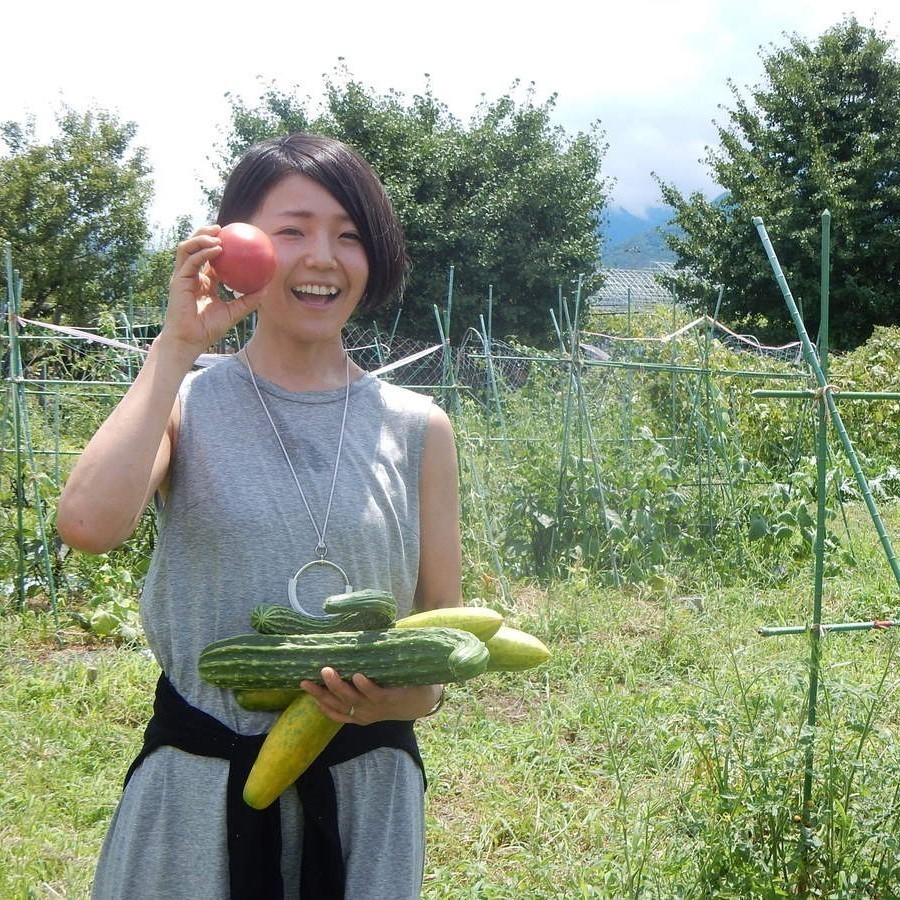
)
(874, 425)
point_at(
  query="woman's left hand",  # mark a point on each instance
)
(363, 702)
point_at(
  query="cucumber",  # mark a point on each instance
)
(355, 611)
(479, 620)
(513, 650)
(397, 656)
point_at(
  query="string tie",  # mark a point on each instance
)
(819, 393)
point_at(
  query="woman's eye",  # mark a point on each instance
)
(291, 232)
(351, 236)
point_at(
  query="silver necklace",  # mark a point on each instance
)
(321, 548)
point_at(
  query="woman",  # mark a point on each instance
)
(283, 471)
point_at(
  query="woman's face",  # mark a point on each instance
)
(322, 269)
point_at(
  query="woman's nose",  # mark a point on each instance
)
(318, 251)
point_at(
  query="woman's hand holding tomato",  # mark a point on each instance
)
(196, 316)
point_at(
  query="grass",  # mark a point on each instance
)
(69, 720)
(659, 754)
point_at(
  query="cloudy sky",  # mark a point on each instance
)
(652, 72)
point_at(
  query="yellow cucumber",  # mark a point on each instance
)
(513, 650)
(478, 620)
(298, 736)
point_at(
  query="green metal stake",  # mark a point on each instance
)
(449, 304)
(23, 444)
(557, 319)
(815, 634)
(39, 512)
(57, 475)
(874, 625)
(627, 413)
(448, 382)
(484, 334)
(825, 393)
(396, 322)
(379, 346)
(826, 406)
(559, 337)
(13, 289)
(490, 314)
(841, 395)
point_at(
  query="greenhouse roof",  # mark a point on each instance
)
(640, 286)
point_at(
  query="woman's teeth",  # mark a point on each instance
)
(318, 290)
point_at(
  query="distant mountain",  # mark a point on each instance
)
(635, 242)
(619, 224)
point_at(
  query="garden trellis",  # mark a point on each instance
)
(604, 509)
(709, 709)
(825, 397)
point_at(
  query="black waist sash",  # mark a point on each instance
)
(254, 836)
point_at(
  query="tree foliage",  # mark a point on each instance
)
(74, 211)
(510, 200)
(821, 132)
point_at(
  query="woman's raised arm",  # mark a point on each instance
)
(128, 458)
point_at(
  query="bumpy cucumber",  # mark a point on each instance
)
(377, 602)
(394, 656)
(355, 611)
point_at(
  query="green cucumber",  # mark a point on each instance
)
(355, 611)
(396, 656)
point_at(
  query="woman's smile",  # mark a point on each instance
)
(321, 260)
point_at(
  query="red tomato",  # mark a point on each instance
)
(247, 260)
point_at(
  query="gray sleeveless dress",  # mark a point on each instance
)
(232, 532)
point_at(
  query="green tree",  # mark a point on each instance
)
(821, 132)
(74, 211)
(510, 200)
(149, 285)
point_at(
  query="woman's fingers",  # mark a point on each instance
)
(194, 252)
(362, 701)
(336, 697)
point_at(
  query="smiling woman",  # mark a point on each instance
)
(272, 481)
(349, 181)
(321, 274)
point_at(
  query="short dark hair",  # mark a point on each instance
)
(348, 178)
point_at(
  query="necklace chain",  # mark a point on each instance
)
(321, 546)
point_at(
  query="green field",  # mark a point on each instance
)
(659, 754)
(644, 518)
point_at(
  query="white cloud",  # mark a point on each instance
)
(653, 72)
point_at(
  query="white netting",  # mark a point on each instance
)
(631, 289)
(703, 328)
(416, 363)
